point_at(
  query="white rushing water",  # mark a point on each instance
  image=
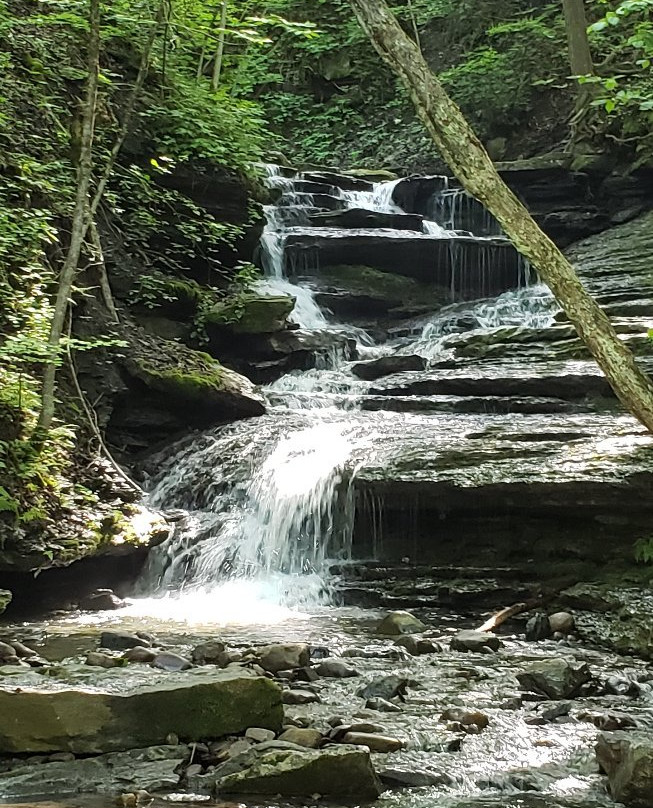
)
(265, 503)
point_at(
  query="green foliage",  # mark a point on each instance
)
(644, 550)
(624, 36)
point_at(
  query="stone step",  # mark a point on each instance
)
(466, 268)
(360, 218)
(484, 405)
(306, 187)
(567, 387)
(342, 181)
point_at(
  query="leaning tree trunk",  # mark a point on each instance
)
(79, 220)
(470, 162)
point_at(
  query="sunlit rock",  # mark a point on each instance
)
(627, 759)
(130, 713)
(556, 678)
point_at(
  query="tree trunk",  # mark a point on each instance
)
(580, 55)
(79, 220)
(217, 67)
(469, 161)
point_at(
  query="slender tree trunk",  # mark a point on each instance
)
(580, 55)
(84, 213)
(79, 220)
(470, 162)
(217, 67)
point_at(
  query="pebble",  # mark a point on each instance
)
(259, 735)
(375, 743)
(382, 705)
(100, 660)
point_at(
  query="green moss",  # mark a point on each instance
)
(394, 288)
(190, 383)
(251, 313)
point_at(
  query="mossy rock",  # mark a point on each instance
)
(396, 290)
(194, 705)
(252, 313)
(181, 378)
(178, 298)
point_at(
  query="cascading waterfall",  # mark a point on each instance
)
(264, 503)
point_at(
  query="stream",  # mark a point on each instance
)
(265, 511)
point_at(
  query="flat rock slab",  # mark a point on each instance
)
(126, 715)
(151, 769)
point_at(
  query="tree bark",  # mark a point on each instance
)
(469, 161)
(580, 55)
(79, 221)
(217, 67)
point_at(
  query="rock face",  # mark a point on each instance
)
(627, 759)
(151, 769)
(197, 704)
(386, 365)
(342, 772)
(555, 678)
(5, 599)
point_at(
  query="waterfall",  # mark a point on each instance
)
(261, 505)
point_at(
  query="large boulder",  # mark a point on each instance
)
(151, 769)
(195, 384)
(202, 703)
(627, 759)
(344, 772)
(556, 678)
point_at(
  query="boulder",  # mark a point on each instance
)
(151, 769)
(627, 759)
(121, 640)
(167, 661)
(474, 641)
(139, 653)
(259, 735)
(5, 599)
(211, 652)
(386, 365)
(298, 696)
(562, 622)
(100, 660)
(335, 669)
(344, 772)
(538, 628)
(385, 688)
(251, 313)
(556, 678)
(400, 622)
(283, 657)
(129, 713)
(196, 384)
(302, 736)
